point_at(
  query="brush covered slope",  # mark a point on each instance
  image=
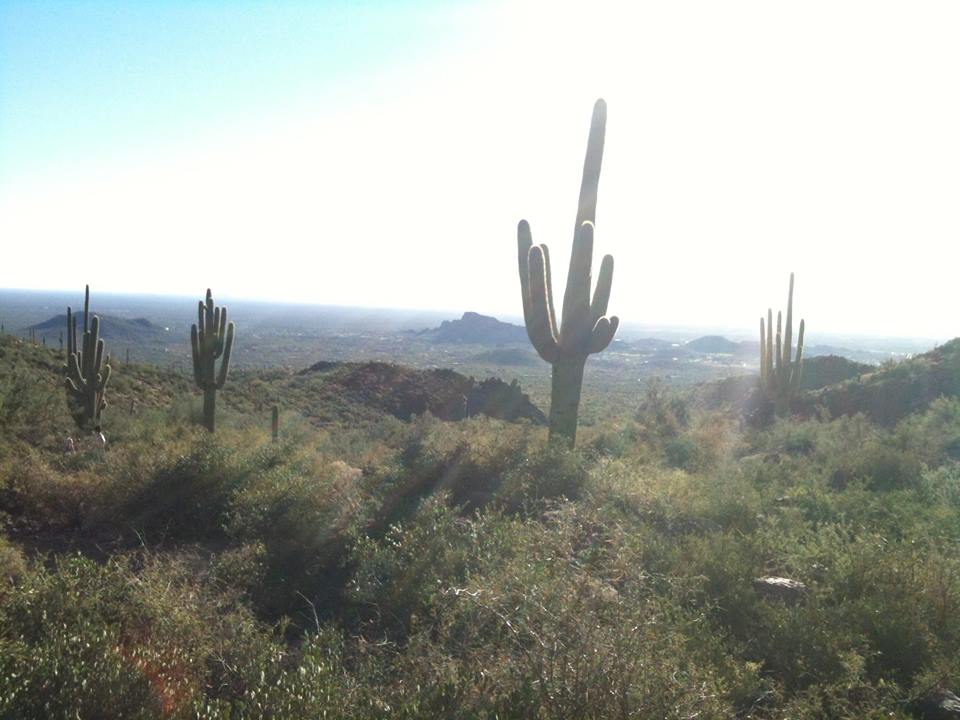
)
(674, 565)
(895, 389)
(834, 386)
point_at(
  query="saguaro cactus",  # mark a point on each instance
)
(584, 327)
(87, 372)
(211, 339)
(780, 370)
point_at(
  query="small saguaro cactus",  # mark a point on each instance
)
(780, 370)
(87, 369)
(211, 339)
(584, 327)
(275, 423)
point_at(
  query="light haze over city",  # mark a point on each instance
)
(381, 153)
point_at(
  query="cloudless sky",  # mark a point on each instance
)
(380, 153)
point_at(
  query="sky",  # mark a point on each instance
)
(380, 153)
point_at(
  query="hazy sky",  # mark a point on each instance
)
(381, 153)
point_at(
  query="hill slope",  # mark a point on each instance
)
(895, 391)
(405, 392)
(843, 387)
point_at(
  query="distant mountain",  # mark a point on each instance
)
(713, 344)
(476, 329)
(749, 350)
(111, 328)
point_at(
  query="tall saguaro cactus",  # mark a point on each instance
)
(211, 339)
(584, 327)
(87, 372)
(780, 370)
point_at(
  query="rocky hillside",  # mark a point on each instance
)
(405, 392)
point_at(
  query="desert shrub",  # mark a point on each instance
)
(682, 452)
(30, 406)
(467, 461)
(933, 435)
(302, 517)
(12, 563)
(186, 497)
(941, 487)
(36, 493)
(881, 466)
(88, 640)
(551, 635)
(544, 473)
(397, 577)
(609, 440)
(793, 437)
(314, 683)
(662, 409)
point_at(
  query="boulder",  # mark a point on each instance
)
(780, 588)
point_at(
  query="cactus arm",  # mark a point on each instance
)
(799, 358)
(524, 243)
(788, 329)
(603, 333)
(98, 358)
(797, 370)
(70, 336)
(227, 346)
(201, 318)
(778, 358)
(601, 294)
(216, 337)
(540, 327)
(73, 369)
(195, 349)
(552, 314)
(86, 308)
(763, 352)
(222, 330)
(769, 344)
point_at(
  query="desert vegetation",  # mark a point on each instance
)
(679, 562)
(416, 544)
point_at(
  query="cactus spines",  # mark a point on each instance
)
(584, 327)
(780, 369)
(87, 369)
(211, 339)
